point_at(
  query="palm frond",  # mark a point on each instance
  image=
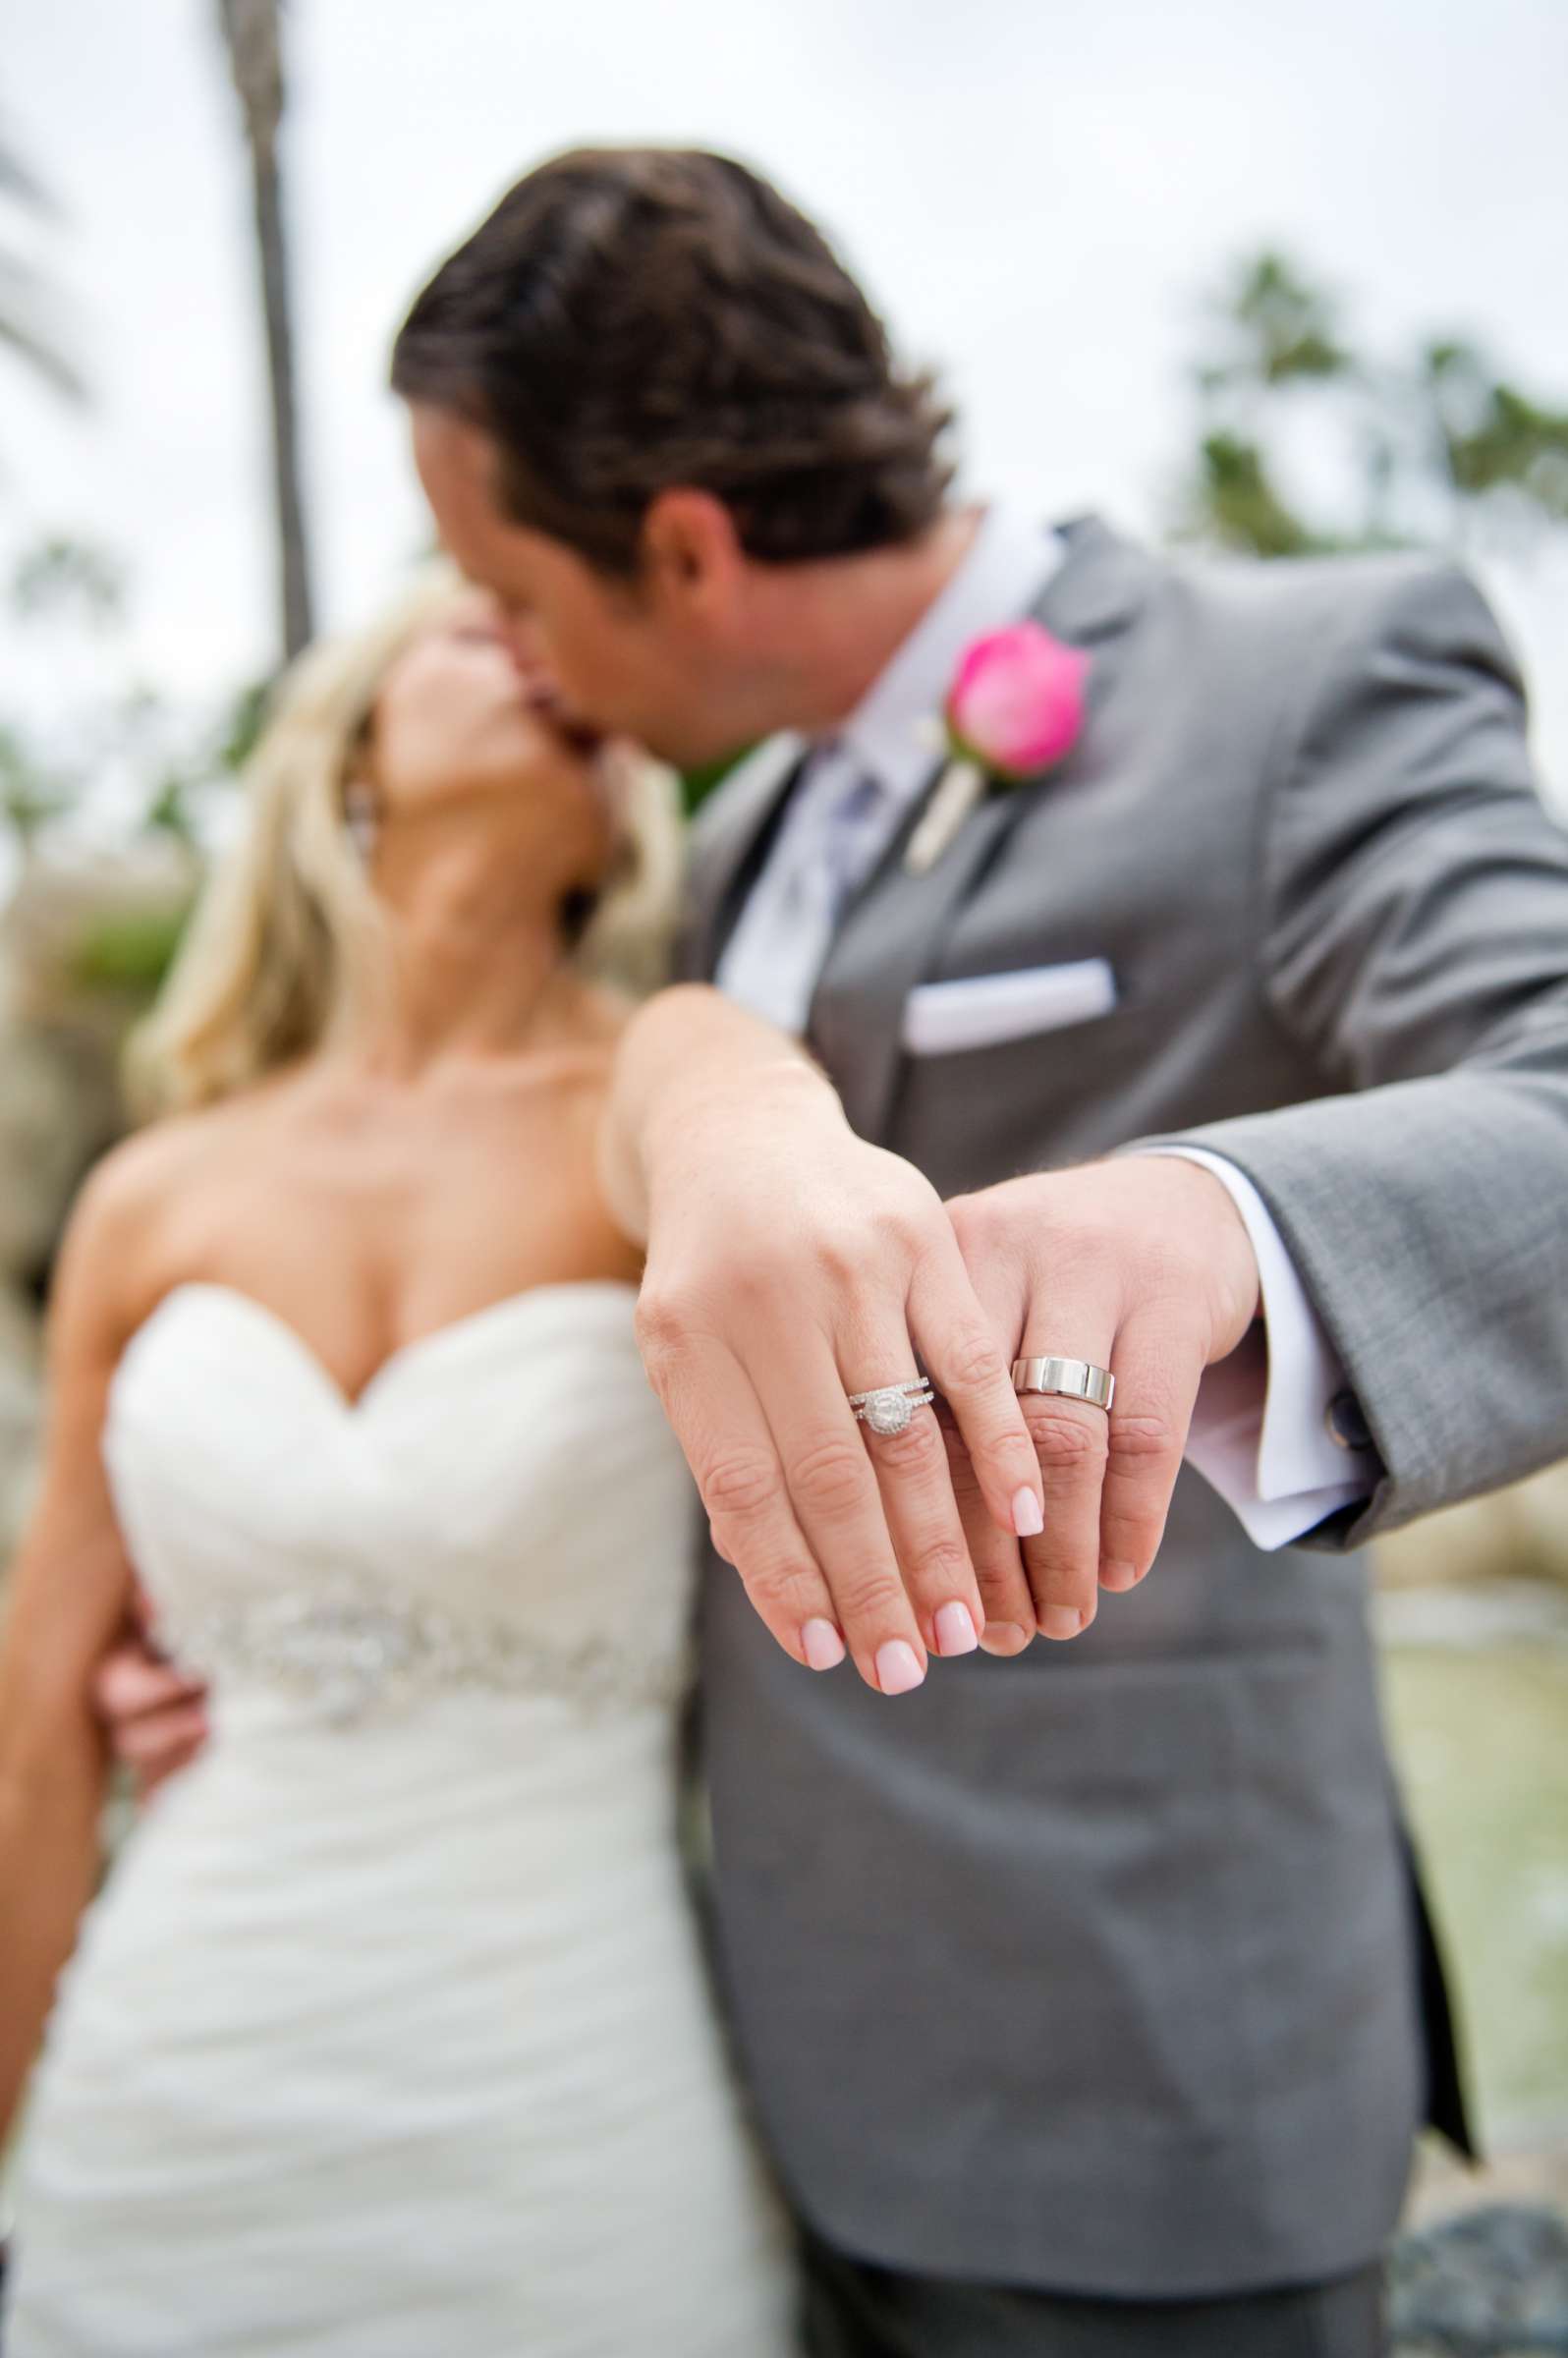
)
(33, 346)
(25, 295)
(23, 185)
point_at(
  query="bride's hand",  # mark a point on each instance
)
(789, 1266)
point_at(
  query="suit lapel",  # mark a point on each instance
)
(727, 831)
(892, 934)
(1099, 586)
(886, 943)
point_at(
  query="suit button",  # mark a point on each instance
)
(1347, 1427)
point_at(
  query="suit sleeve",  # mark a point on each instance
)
(1416, 944)
(1264, 1426)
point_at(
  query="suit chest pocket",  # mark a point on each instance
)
(982, 1011)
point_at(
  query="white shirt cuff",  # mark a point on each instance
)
(1259, 1431)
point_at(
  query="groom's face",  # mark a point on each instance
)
(644, 658)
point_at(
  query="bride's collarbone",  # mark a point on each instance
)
(364, 1255)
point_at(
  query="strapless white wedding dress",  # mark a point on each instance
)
(389, 2033)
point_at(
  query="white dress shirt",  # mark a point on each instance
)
(1261, 1431)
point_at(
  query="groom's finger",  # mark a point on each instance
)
(1063, 1564)
(132, 1684)
(1159, 1365)
(1072, 1444)
(719, 1422)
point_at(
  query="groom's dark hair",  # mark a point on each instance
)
(632, 319)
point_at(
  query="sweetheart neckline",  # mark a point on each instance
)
(353, 1403)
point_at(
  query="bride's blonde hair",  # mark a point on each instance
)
(288, 947)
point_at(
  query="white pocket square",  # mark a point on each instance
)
(977, 1011)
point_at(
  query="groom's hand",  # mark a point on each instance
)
(1143, 1265)
(153, 1713)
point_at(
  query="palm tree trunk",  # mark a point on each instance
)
(292, 560)
(250, 30)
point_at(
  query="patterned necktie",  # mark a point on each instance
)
(780, 945)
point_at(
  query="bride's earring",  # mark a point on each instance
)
(362, 815)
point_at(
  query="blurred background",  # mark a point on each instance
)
(1276, 279)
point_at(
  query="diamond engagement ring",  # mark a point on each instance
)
(1066, 1379)
(892, 1408)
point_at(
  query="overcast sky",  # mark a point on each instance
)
(1034, 192)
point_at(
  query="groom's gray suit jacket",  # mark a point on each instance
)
(1099, 1969)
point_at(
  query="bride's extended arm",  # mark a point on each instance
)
(67, 1594)
(790, 1264)
(687, 1055)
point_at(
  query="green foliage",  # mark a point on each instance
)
(169, 812)
(698, 783)
(62, 577)
(30, 798)
(128, 953)
(1492, 436)
(161, 769)
(1429, 447)
(1242, 506)
(1284, 328)
(241, 725)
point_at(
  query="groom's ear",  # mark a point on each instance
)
(692, 552)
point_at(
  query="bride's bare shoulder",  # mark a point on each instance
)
(177, 1149)
(107, 1255)
(138, 1199)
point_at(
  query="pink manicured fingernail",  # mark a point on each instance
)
(1061, 1621)
(1004, 1637)
(822, 1645)
(1029, 1516)
(955, 1630)
(898, 1670)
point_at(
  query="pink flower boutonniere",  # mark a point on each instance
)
(1015, 708)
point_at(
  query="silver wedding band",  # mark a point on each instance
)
(891, 1407)
(1066, 1379)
